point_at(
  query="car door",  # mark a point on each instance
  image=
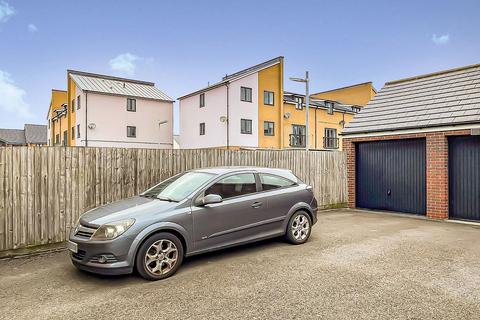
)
(232, 220)
(280, 194)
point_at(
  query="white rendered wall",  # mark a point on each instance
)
(191, 115)
(111, 118)
(243, 110)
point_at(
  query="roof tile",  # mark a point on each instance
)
(447, 98)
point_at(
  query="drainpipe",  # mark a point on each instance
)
(228, 117)
(86, 119)
(315, 128)
(60, 133)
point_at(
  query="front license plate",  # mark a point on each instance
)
(72, 246)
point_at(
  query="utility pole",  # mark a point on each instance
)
(306, 80)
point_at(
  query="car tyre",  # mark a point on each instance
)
(299, 227)
(159, 256)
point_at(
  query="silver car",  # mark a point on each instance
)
(193, 212)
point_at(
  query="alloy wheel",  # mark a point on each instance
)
(161, 257)
(300, 227)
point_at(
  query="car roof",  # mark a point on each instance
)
(230, 169)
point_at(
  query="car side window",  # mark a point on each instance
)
(270, 182)
(233, 186)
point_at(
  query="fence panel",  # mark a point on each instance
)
(44, 190)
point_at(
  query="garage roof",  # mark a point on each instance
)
(444, 98)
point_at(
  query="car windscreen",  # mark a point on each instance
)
(178, 187)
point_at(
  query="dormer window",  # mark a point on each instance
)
(329, 105)
(298, 103)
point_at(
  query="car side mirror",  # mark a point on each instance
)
(209, 199)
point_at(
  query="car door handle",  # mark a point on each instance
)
(257, 204)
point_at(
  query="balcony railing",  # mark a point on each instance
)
(297, 140)
(330, 143)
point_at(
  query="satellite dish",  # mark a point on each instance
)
(287, 115)
(91, 126)
(223, 119)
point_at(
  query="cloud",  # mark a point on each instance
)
(124, 63)
(6, 11)
(32, 28)
(440, 40)
(12, 97)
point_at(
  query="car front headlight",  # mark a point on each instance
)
(112, 230)
(76, 226)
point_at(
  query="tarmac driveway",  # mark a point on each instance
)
(357, 265)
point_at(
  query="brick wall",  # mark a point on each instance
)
(436, 170)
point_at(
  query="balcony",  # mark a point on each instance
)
(297, 140)
(330, 143)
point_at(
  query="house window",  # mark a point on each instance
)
(268, 97)
(49, 142)
(73, 133)
(246, 94)
(268, 128)
(298, 103)
(245, 126)
(329, 106)
(48, 123)
(202, 128)
(78, 131)
(297, 138)
(78, 102)
(73, 105)
(57, 139)
(131, 132)
(131, 105)
(330, 140)
(65, 137)
(202, 100)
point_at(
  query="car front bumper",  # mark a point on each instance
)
(102, 257)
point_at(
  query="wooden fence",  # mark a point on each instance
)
(43, 190)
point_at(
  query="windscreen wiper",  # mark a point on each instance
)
(163, 198)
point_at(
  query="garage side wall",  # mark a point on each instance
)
(436, 167)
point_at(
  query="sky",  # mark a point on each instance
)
(183, 45)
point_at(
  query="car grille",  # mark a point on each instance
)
(79, 255)
(85, 232)
(110, 258)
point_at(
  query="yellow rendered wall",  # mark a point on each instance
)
(271, 79)
(57, 127)
(358, 94)
(323, 120)
(72, 95)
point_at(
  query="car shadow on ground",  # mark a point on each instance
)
(188, 262)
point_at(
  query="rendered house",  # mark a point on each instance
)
(57, 119)
(327, 119)
(249, 109)
(415, 148)
(106, 111)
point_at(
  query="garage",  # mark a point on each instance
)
(464, 177)
(390, 175)
(415, 147)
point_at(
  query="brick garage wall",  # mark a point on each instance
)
(436, 170)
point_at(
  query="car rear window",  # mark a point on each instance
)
(270, 181)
